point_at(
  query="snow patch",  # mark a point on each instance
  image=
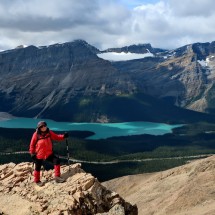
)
(210, 58)
(168, 56)
(123, 56)
(21, 47)
(203, 63)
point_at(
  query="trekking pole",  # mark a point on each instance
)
(67, 147)
(32, 168)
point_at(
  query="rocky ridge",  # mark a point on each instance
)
(184, 190)
(48, 81)
(80, 194)
(140, 49)
(183, 77)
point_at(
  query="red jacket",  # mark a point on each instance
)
(42, 145)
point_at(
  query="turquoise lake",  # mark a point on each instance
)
(101, 130)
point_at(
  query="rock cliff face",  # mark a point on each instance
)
(140, 49)
(37, 82)
(80, 194)
(184, 77)
(70, 82)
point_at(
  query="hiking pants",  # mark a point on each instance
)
(38, 163)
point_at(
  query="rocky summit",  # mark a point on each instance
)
(81, 194)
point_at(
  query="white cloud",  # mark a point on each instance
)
(191, 8)
(169, 24)
(106, 24)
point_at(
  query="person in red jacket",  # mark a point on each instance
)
(41, 149)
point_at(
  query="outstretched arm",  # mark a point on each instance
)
(57, 137)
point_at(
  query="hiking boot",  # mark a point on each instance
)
(40, 183)
(59, 179)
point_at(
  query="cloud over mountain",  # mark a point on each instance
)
(106, 24)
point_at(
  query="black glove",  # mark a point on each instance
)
(33, 157)
(66, 135)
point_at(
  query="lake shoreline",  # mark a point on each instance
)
(100, 130)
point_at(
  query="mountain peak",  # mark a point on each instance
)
(139, 48)
(80, 194)
(201, 50)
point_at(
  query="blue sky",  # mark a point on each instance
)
(105, 24)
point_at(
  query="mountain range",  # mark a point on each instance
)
(74, 82)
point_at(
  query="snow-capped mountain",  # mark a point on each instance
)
(75, 81)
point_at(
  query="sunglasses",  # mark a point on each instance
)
(42, 126)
